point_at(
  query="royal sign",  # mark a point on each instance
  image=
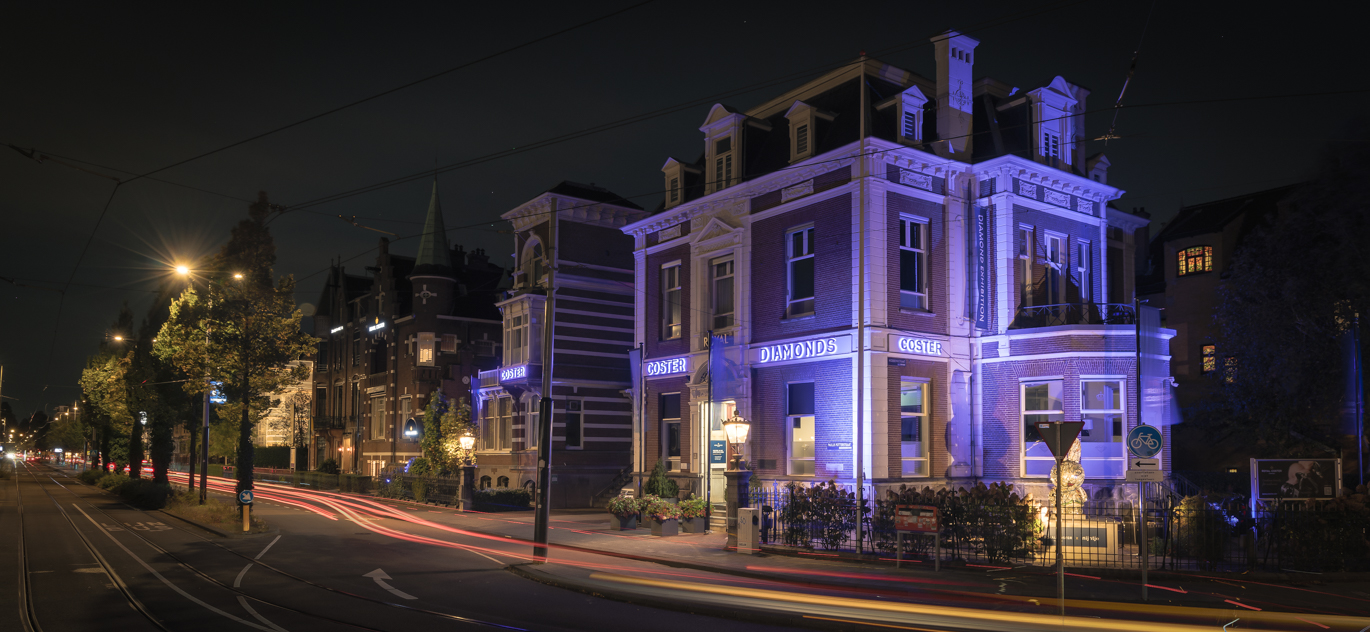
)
(667, 367)
(514, 373)
(919, 346)
(797, 350)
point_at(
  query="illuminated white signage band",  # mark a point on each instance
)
(797, 350)
(335, 329)
(376, 327)
(920, 346)
(514, 373)
(667, 367)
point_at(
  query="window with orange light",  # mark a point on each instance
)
(1210, 358)
(1194, 260)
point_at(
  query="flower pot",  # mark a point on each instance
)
(622, 523)
(665, 528)
(694, 525)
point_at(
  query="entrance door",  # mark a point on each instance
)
(716, 438)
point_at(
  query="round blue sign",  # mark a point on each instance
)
(245, 497)
(1144, 442)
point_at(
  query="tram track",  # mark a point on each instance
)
(454, 618)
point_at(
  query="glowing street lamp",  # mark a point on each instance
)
(467, 441)
(737, 428)
(183, 270)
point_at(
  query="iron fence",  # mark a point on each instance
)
(1195, 533)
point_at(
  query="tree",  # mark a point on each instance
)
(240, 328)
(456, 422)
(434, 457)
(106, 394)
(1292, 293)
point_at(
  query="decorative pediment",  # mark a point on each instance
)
(717, 113)
(1058, 94)
(713, 230)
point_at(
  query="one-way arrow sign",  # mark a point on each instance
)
(380, 577)
(1144, 464)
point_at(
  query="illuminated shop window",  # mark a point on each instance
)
(1042, 402)
(1195, 260)
(1101, 441)
(913, 427)
(799, 429)
(1210, 358)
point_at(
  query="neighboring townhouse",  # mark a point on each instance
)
(898, 276)
(574, 229)
(414, 326)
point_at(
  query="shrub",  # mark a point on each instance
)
(623, 506)
(110, 481)
(356, 483)
(420, 489)
(329, 466)
(694, 508)
(503, 499)
(659, 509)
(392, 488)
(990, 520)
(421, 466)
(143, 493)
(89, 477)
(659, 485)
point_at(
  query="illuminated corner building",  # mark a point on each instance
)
(1188, 262)
(409, 328)
(990, 302)
(593, 333)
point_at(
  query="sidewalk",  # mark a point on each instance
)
(999, 587)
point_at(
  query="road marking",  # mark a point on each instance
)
(243, 600)
(380, 577)
(168, 583)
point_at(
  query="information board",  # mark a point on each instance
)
(916, 518)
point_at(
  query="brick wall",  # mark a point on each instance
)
(935, 318)
(833, 292)
(939, 412)
(1122, 345)
(596, 245)
(656, 347)
(832, 417)
(652, 414)
(1003, 423)
(821, 183)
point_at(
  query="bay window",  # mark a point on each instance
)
(1101, 440)
(1042, 402)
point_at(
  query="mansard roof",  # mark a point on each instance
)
(591, 193)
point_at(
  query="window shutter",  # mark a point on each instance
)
(801, 140)
(675, 189)
(910, 121)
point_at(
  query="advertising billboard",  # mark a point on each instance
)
(1295, 478)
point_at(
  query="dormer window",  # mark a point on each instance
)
(723, 162)
(804, 133)
(908, 114)
(675, 175)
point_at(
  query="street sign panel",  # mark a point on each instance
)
(245, 497)
(1144, 441)
(1145, 476)
(1059, 435)
(917, 518)
(1144, 464)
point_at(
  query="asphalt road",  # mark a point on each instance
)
(93, 563)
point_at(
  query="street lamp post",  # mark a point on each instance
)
(468, 472)
(738, 491)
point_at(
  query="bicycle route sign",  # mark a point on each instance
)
(1144, 441)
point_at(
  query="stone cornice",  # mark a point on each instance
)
(537, 210)
(1040, 174)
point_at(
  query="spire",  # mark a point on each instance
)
(435, 258)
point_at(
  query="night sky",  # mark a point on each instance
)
(136, 88)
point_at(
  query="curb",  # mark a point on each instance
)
(215, 531)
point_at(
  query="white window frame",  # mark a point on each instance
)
(1051, 144)
(924, 429)
(790, 420)
(672, 330)
(1084, 270)
(1022, 421)
(714, 279)
(1057, 265)
(579, 411)
(911, 225)
(1120, 458)
(533, 260)
(723, 161)
(791, 302)
(1026, 254)
(427, 349)
(378, 429)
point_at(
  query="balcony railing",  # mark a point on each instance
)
(1073, 314)
(335, 422)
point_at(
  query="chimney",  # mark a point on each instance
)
(955, 58)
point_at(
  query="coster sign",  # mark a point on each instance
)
(798, 350)
(667, 367)
(514, 373)
(920, 346)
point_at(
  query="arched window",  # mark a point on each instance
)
(1194, 260)
(502, 482)
(485, 482)
(532, 261)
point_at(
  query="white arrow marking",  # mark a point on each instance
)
(380, 577)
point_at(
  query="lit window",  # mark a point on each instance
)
(516, 339)
(1042, 402)
(913, 427)
(670, 302)
(1025, 254)
(531, 432)
(1229, 369)
(800, 429)
(1101, 440)
(669, 404)
(426, 348)
(575, 430)
(913, 261)
(722, 270)
(801, 277)
(1195, 260)
(1210, 358)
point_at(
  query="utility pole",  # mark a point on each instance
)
(1141, 487)
(544, 488)
(1360, 393)
(861, 326)
(204, 441)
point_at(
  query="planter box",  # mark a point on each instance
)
(624, 523)
(665, 528)
(694, 525)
